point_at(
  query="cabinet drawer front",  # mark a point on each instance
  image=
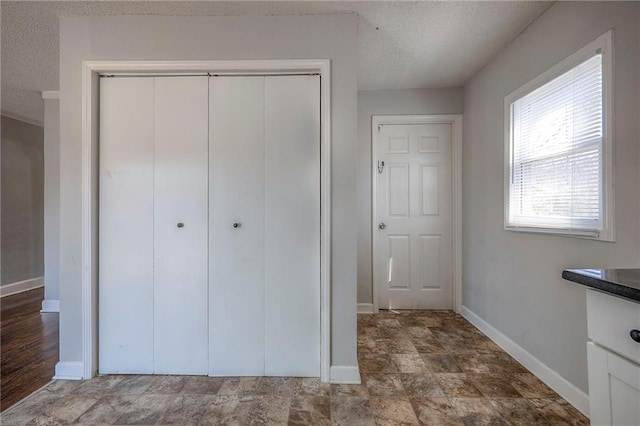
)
(610, 320)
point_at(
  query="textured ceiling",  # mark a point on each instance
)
(401, 45)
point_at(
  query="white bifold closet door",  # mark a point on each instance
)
(153, 225)
(264, 245)
(209, 236)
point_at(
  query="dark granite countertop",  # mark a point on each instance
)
(621, 282)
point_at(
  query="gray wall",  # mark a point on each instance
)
(387, 102)
(51, 199)
(22, 201)
(185, 38)
(512, 280)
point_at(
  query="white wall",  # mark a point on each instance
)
(22, 226)
(51, 202)
(388, 102)
(169, 38)
(512, 280)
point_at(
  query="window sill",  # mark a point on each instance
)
(606, 236)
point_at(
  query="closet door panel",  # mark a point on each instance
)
(180, 225)
(292, 225)
(125, 301)
(236, 254)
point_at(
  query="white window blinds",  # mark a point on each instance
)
(556, 150)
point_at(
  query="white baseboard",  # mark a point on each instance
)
(20, 286)
(69, 370)
(348, 375)
(21, 117)
(50, 305)
(365, 308)
(551, 378)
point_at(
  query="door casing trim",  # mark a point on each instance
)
(91, 71)
(456, 171)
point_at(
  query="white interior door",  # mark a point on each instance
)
(265, 273)
(236, 173)
(152, 272)
(180, 225)
(125, 265)
(413, 216)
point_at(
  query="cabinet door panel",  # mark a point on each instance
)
(614, 388)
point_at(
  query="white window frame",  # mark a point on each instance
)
(603, 45)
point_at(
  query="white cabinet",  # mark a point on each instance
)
(614, 360)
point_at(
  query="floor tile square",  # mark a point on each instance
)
(494, 385)
(107, 409)
(428, 345)
(436, 412)
(351, 411)
(65, 410)
(169, 385)
(187, 409)
(530, 386)
(393, 411)
(145, 410)
(202, 385)
(441, 363)
(556, 411)
(384, 385)
(456, 385)
(423, 385)
(518, 411)
(349, 390)
(477, 411)
(310, 410)
(377, 363)
(410, 363)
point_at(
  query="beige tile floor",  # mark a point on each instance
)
(417, 367)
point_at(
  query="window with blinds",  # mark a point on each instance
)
(556, 170)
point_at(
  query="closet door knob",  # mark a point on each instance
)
(237, 225)
(635, 335)
(180, 225)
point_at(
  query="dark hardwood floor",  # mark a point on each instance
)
(29, 342)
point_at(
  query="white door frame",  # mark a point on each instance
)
(91, 71)
(456, 175)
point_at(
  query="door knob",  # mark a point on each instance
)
(237, 225)
(180, 225)
(382, 226)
